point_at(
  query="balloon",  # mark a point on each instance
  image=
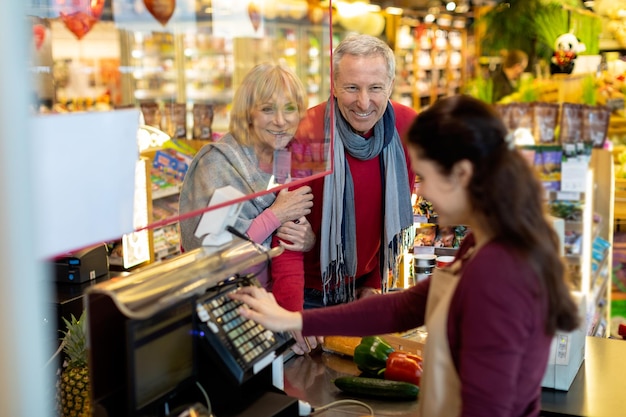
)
(316, 14)
(79, 16)
(162, 10)
(39, 33)
(375, 24)
(255, 15)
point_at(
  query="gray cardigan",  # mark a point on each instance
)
(216, 165)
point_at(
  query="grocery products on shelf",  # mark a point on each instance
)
(431, 61)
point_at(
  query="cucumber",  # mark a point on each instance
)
(375, 387)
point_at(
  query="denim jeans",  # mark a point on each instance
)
(315, 299)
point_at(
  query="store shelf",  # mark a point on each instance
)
(565, 195)
(589, 254)
(166, 242)
(611, 45)
(199, 66)
(431, 62)
(166, 192)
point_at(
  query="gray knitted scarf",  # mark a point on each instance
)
(338, 257)
(216, 165)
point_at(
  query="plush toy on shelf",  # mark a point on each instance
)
(566, 50)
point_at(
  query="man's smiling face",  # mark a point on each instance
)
(362, 88)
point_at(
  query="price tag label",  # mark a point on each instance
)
(574, 176)
(615, 104)
(562, 349)
(568, 196)
(419, 219)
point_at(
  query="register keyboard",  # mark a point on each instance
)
(243, 346)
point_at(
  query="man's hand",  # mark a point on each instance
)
(305, 345)
(366, 292)
(296, 235)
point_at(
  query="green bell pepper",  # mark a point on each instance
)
(371, 354)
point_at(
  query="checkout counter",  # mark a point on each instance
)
(167, 340)
(160, 340)
(597, 389)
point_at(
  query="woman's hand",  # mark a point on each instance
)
(292, 205)
(296, 235)
(261, 307)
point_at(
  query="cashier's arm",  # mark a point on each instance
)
(261, 306)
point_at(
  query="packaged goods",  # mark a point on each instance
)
(175, 122)
(151, 113)
(595, 125)
(425, 234)
(545, 116)
(505, 113)
(202, 121)
(571, 123)
(521, 115)
(343, 345)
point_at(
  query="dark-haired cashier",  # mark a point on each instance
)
(492, 314)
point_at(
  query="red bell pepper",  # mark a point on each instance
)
(404, 366)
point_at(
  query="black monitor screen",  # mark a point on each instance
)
(161, 355)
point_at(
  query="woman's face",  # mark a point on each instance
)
(447, 193)
(274, 123)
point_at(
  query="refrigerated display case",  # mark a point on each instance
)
(195, 65)
(313, 63)
(152, 66)
(188, 67)
(208, 66)
(306, 50)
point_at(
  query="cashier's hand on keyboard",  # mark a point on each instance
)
(261, 307)
(305, 345)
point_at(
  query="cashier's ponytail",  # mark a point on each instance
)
(504, 189)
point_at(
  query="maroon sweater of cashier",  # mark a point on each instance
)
(496, 329)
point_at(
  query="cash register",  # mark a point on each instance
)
(168, 337)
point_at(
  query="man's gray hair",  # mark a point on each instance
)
(364, 45)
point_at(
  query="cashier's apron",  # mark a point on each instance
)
(440, 386)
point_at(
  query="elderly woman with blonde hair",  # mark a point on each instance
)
(266, 110)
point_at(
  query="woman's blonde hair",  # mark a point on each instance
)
(259, 86)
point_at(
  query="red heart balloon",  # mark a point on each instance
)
(162, 10)
(39, 33)
(79, 16)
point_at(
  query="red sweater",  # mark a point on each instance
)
(495, 330)
(288, 284)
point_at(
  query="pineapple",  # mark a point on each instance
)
(73, 385)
